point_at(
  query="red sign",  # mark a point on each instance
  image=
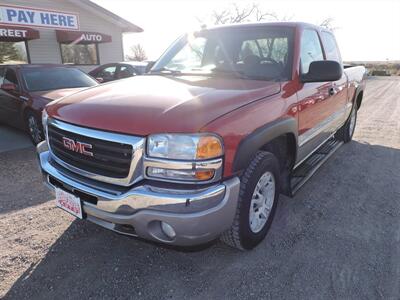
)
(82, 37)
(16, 34)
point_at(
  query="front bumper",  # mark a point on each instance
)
(196, 216)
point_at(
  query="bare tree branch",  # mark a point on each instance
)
(236, 13)
(137, 53)
(262, 15)
(328, 24)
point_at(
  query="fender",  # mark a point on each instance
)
(261, 136)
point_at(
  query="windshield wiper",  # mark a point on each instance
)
(227, 71)
(240, 74)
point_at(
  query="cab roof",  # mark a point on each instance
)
(261, 24)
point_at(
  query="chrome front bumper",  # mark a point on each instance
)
(197, 216)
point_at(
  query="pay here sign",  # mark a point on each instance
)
(18, 15)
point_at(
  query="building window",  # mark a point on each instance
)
(79, 54)
(13, 53)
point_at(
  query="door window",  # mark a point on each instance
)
(126, 71)
(107, 73)
(11, 77)
(310, 49)
(331, 49)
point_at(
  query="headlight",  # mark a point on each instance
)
(44, 121)
(187, 158)
(183, 146)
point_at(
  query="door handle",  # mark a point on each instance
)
(332, 91)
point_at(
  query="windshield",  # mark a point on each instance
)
(45, 79)
(263, 53)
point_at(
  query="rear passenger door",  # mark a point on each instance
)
(316, 106)
(339, 97)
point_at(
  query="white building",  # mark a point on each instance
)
(77, 32)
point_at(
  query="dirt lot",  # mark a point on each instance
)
(338, 238)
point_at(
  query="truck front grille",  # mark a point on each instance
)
(109, 159)
(112, 158)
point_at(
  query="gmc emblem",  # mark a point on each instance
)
(82, 148)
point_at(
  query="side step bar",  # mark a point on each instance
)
(303, 172)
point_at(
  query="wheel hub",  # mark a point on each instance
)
(261, 202)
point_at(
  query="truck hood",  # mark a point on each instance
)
(149, 104)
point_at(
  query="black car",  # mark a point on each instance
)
(114, 71)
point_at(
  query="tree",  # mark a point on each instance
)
(328, 24)
(236, 13)
(239, 14)
(137, 53)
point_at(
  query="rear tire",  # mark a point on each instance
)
(258, 198)
(34, 128)
(346, 132)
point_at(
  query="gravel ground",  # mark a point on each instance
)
(338, 238)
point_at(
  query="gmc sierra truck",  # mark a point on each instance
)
(202, 146)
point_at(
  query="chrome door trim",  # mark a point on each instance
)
(319, 128)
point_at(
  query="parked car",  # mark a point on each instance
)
(26, 89)
(228, 119)
(114, 71)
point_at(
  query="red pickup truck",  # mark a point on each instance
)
(202, 146)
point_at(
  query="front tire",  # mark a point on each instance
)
(34, 128)
(258, 198)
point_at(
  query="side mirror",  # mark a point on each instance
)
(149, 66)
(323, 70)
(99, 79)
(8, 87)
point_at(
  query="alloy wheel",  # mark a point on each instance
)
(34, 130)
(261, 202)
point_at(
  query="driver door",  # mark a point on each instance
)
(2, 95)
(9, 100)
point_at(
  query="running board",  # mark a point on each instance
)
(306, 170)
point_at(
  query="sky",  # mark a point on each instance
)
(366, 30)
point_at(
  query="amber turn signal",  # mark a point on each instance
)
(204, 175)
(209, 147)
